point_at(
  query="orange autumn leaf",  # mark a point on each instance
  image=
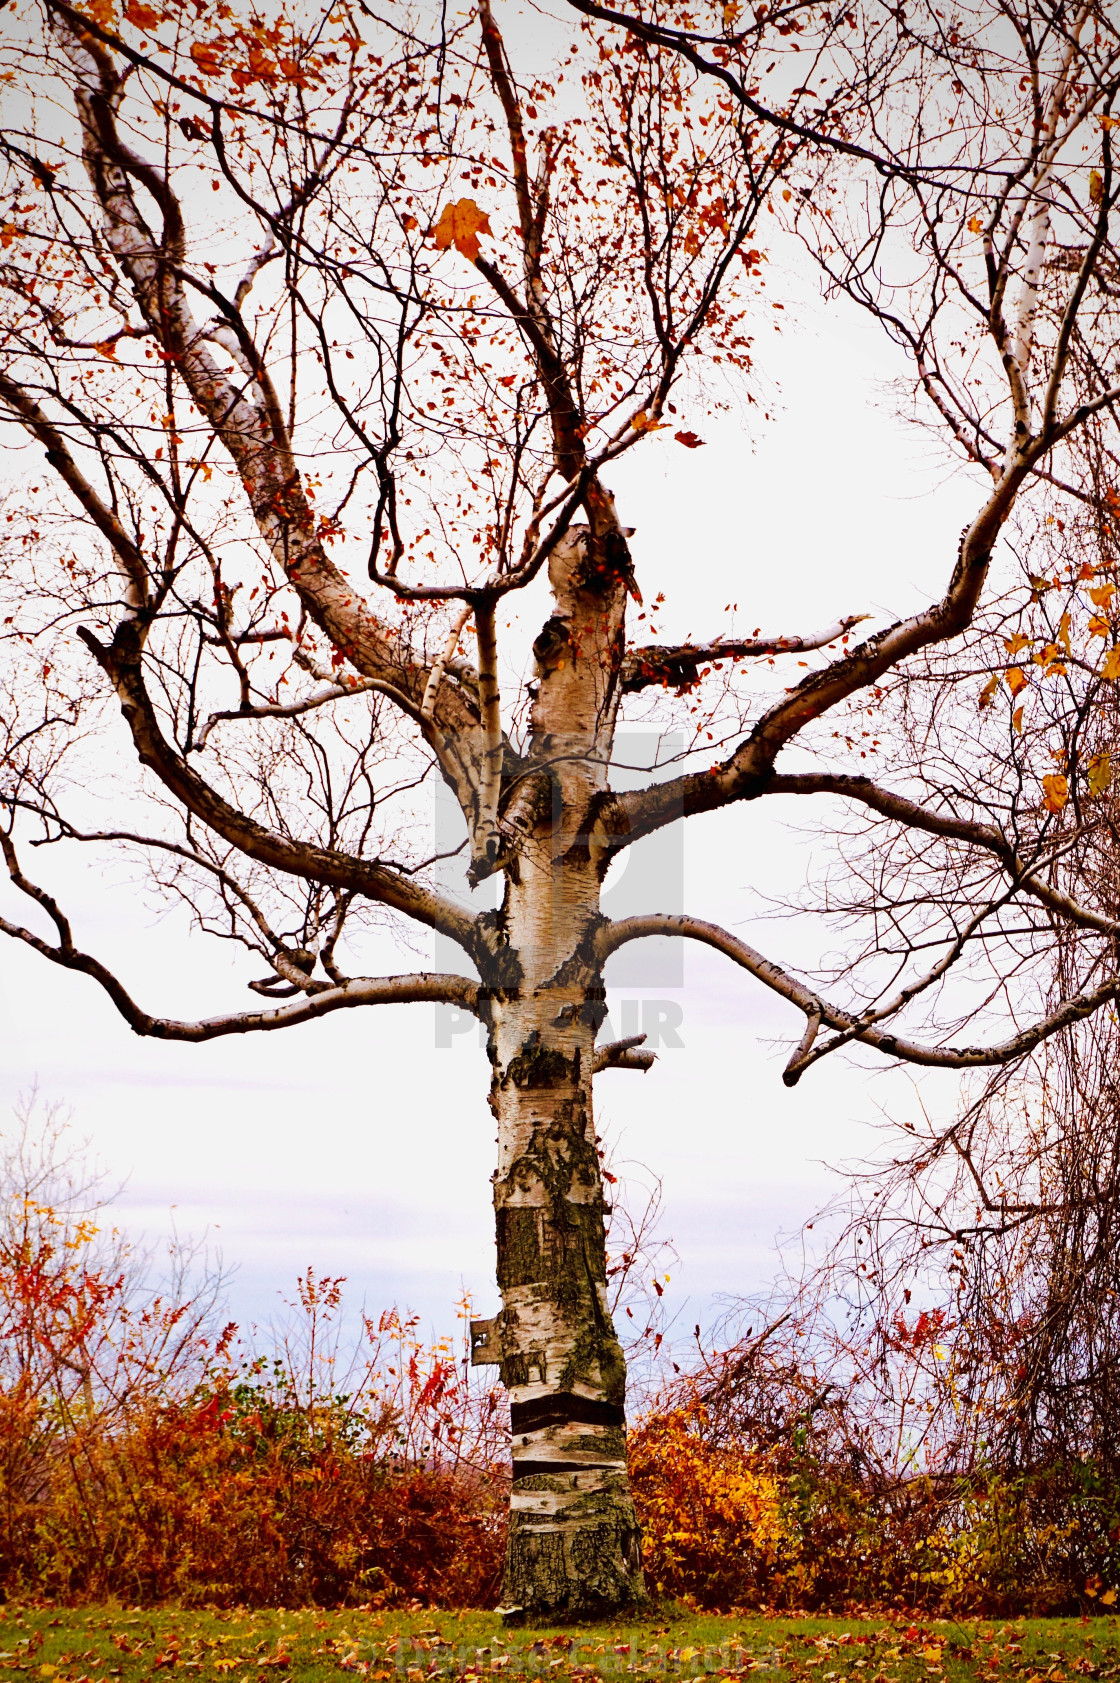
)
(1016, 679)
(1055, 792)
(102, 12)
(261, 66)
(1111, 667)
(206, 57)
(144, 17)
(460, 226)
(294, 72)
(989, 690)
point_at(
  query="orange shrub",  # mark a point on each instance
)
(711, 1515)
(233, 1498)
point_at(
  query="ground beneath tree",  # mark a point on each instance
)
(87, 1645)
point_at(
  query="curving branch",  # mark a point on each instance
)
(485, 840)
(749, 770)
(533, 316)
(247, 417)
(677, 665)
(848, 1026)
(121, 663)
(915, 817)
(59, 455)
(285, 709)
(441, 989)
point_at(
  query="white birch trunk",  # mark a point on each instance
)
(574, 1544)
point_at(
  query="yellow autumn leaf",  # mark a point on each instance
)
(974, 225)
(988, 692)
(1016, 679)
(460, 225)
(1098, 627)
(1111, 667)
(1014, 644)
(1063, 632)
(1055, 791)
(1017, 721)
(1099, 772)
(1108, 1598)
(1096, 186)
(1102, 595)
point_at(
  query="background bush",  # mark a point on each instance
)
(148, 1453)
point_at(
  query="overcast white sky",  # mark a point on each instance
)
(320, 1146)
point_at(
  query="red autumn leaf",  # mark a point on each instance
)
(459, 226)
(689, 440)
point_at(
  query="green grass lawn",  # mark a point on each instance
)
(86, 1646)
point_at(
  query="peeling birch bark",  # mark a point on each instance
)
(574, 1543)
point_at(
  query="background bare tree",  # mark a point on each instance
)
(329, 331)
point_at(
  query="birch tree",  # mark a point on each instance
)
(330, 330)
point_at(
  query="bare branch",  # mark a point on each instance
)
(622, 1054)
(675, 665)
(849, 1026)
(303, 859)
(916, 817)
